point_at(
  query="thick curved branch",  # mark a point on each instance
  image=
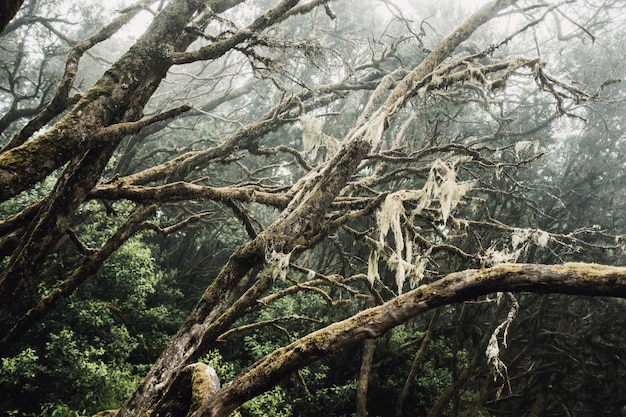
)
(570, 278)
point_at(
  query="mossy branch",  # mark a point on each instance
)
(184, 191)
(570, 278)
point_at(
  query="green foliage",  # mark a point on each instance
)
(60, 410)
(91, 353)
(28, 197)
(20, 370)
(333, 400)
(70, 373)
(273, 403)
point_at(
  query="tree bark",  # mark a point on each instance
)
(367, 360)
(369, 347)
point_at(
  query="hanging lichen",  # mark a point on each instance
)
(372, 267)
(390, 216)
(374, 129)
(493, 256)
(418, 271)
(492, 352)
(313, 137)
(399, 265)
(525, 144)
(311, 134)
(541, 238)
(521, 237)
(442, 184)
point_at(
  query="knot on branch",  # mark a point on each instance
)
(192, 387)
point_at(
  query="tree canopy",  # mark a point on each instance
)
(284, 207)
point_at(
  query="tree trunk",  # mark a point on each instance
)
(415, 365)
(369, 347)
(367, 360)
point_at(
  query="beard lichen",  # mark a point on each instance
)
(313, 137)
(441, 192)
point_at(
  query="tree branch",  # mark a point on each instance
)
(215, 49)
(61, 99)
(570, 278)
(186, 191)
(11, 7)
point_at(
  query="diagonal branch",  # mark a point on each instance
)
(269, 18)
(61, 99)
(11, 7)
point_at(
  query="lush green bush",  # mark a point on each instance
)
(89, 354)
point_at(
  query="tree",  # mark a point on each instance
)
(419, 193)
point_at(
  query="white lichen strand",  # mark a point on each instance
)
(443, 185)
(372, 131)
(541, 238)
(418, 272)
(372, 267)
(313, 137)
(519, 237)
(388, 217)
(332, 145)
(492, 352)
(451, 194)
(402, 269)
(408, 245)
(496, 365)
(310, 275)
(311, 134)
(493, 256)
